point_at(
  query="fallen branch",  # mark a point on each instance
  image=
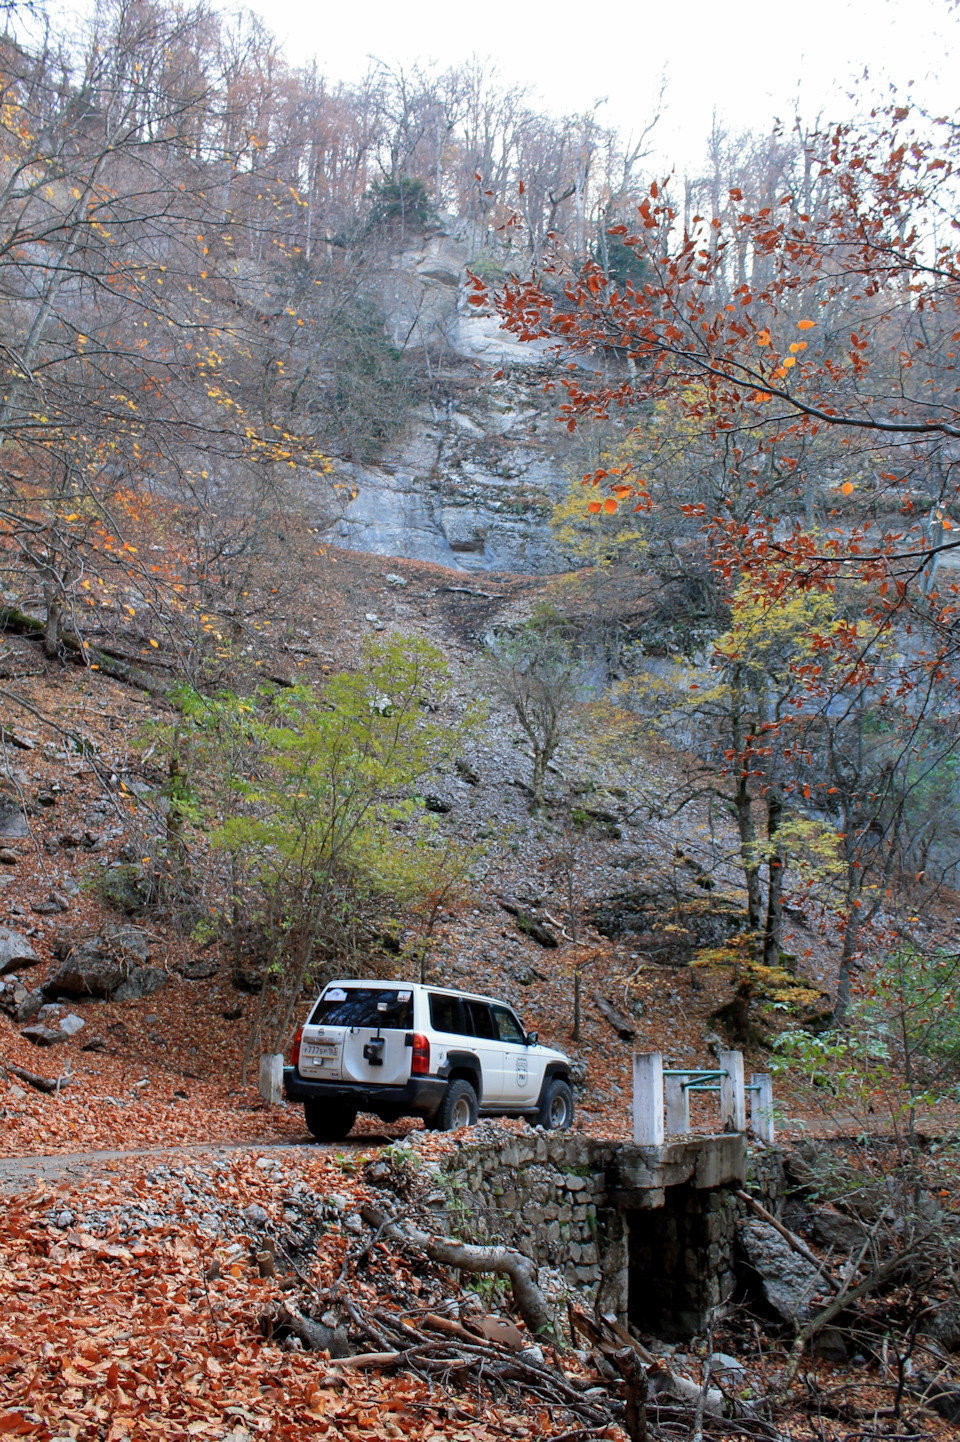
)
(504, 1261)
(369, 1359)
(621, 1024)
(41, 1083)
(529, 924)
(282, 1319)
(844, 1297)
(660, 1378)
(790, 1237)
(635, 1393)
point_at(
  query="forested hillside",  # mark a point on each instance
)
(437, 547)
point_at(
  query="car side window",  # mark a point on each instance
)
(508, 1028)
(445, 1013)
(481, 1020)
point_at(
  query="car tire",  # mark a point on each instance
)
(327, 1123)
(556, 1109)
(459, 1107)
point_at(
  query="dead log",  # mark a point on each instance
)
(635, 1393)
(41, 1083)
(504, 1261)
(13, 619)
(621, 1024)
(281, 1319)
(660, 1377)
(529, 924)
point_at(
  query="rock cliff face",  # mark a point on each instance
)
(473, 479)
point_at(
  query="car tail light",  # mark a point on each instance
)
(295, 1048)
(421, 1056)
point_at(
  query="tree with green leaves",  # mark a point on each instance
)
(312, 796)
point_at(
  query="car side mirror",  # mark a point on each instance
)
(533, 1038)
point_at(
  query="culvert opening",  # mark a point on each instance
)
(679, 1261)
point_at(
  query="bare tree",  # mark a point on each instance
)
(534, 672)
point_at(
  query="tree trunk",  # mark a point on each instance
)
(51, 628)
(742, 735)
(537, 780)
(577, 1002)
(847, 961)
(774, 929)
(177, 853)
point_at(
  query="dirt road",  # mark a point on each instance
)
(18, 1174)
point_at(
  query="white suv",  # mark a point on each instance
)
(398, 1049)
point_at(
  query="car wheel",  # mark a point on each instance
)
(556, 1109)
(326, 1123)
(459, 1107)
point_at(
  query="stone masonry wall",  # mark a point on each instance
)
(544, 1193)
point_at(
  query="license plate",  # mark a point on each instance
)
(321, 1049)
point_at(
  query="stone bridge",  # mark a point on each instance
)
(646, 1232)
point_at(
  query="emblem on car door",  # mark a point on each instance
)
(521, 1071)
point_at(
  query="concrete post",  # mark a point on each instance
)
(648, 1099)
(733, 1109)
(677, 1103)
(761, 1107)
(271, 1078)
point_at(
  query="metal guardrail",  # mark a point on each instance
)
(661, 1097)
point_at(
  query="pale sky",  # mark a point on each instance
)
(746, 59)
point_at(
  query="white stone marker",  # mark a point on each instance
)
(733, 1100)
(648, 1130)
(271, 1078)
(761, 1107)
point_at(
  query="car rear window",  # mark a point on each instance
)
(445, 1013)
(365, 1006)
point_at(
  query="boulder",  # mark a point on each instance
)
(200, 970)
(13, 824)
(111, 964)
(15, 951)
(43, 1035)
(27, 1004)
(784, 1280)
(832, 1229)
(52, 906)
(942, 1323)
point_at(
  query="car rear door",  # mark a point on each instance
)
(486, 1043)
(521, 1084)
(359, 1034)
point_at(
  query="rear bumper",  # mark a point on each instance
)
(420, 1096)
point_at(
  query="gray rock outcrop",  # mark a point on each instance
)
(786, 1281)
(111, 965)
(478, 470)
(15, 951)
